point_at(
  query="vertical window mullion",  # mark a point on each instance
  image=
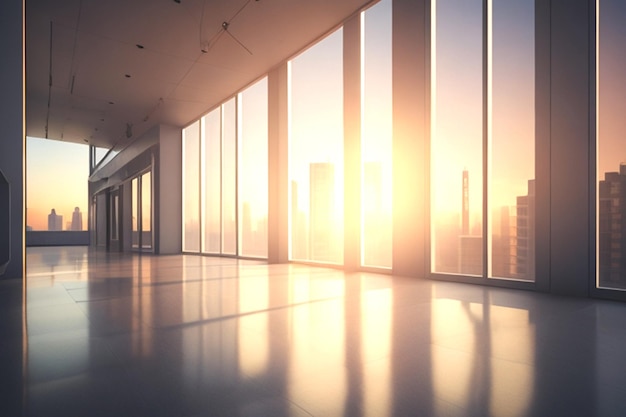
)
(487, 132)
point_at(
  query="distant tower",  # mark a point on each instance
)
(322, 202)
(612, 229)
(77, 220)
(524, 249)
(465, 205)
(299, 233)
(55, 221)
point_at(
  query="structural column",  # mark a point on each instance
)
(168, 192)
(352, 141)
(410, 136)
(278, 176)
(570, 132)
(12, 137)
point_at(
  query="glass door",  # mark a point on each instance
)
(141, 207)
(114, 221)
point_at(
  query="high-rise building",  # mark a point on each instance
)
(376, 223)
(77, 220)
(524, 249)
(470, 246)
(612, 229)
(465, 204)
(503, 243)
(323, 245)
(299, 233)
(55, 221)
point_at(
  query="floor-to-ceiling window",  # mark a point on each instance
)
(229, 177)
(316, 152)
(511, 142)
(146, 211)
(252, 169)
(141, 212)
(483, 138)
(376, 133)
(457, 137)
(611, 145)
(191, 188)
(225, 177)
(134, 209)
(212, 181)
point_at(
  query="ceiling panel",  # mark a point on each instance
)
(94, 45)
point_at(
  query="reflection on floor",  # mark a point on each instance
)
(130, 335)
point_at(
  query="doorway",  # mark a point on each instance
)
(141, 208)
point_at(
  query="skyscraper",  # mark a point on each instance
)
(55, 221)
(503, 243)
(77, 220)
(376, 224)
(470, 247)
(299, 233)
(524, 262)
(465, 204)
(612, 229)
(323, 246)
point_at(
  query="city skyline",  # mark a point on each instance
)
(56, 177)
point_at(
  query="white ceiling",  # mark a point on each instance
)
(87, 47)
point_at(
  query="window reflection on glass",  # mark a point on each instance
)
(376, 131)
(611, 141)
(512, 139)
(316, 152)
(457, 137)
(253, 169)
(212, 168)
(191, 188)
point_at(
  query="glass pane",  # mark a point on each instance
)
(229, 178)
(253, 180)
(146, 210)
(457, 137)
(512, 140)
(191, 188)
(611, 143)
(135, 213)
(115, 207)
(316, 151)
(211, 166)
(376, 132)
(99, 154)
(56, 178)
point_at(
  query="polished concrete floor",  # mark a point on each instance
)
(130, 335)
